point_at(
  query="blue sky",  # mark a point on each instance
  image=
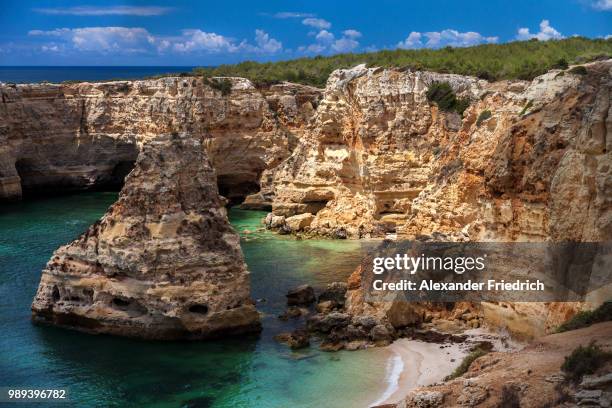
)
(214, 32)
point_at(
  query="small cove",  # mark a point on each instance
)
(244, 372)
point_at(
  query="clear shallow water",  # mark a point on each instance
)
(59, 74)
(109, 371)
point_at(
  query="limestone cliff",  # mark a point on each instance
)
(527, 161)
(56, 137)
(162, 263)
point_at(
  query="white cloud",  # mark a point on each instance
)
(448, 37)
(324, 37)
(50, 48)
(326, 42)
(102, 39)
(351, 33)
(317, 23)
(267, 44)
(129, 40)
(412, 41)
(605, 5)
(344, 44)
(106, 11)
(547, 32)
(291, 14)
(198, 40)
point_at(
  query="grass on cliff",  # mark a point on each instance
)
(467, 362)
(515, 60)
(586, 318)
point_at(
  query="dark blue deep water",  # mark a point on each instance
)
(105, 371)
(22, 75)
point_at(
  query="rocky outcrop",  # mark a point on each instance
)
(57, 137)
(163, 262)
(379, 158)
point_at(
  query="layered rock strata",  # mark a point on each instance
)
(527, 161)
(162, 263)
(57, 137)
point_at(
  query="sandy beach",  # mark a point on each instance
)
(417, 363)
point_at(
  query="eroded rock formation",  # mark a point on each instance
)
(379, 158)
(87, 135)
(162, 263)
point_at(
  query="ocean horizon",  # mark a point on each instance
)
(56, 74)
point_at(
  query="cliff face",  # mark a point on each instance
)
(162, 263)
(528, 161)
(379, 158)
(87, 135)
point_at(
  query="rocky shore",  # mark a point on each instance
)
(370, 156)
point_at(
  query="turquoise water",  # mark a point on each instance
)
(101, 371)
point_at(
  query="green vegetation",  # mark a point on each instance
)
(466, 363)
(561, 64)
(579, 70)
(527, 106)
(484, 115)
(223, 85)
(515, 60)
(584, 319)
(584, 360)
(442, 94)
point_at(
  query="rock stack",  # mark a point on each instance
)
(162, 263)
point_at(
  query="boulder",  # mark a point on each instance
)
(293, 312)
(276, 221)
(335, 292)
(325, 306)
(301, 295)
(299, 222)
(380, 332)
(367, 322)
(297, 339)
(402, 314)
(326, 323)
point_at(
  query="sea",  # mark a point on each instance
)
(55, 74)
(250, 372)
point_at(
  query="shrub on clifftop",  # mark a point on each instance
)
(584, 360)
(514, 60)
(443, 95)
(588, 317)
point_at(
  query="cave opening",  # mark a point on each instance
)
(235, 188)
(119, 173)
(40, 179)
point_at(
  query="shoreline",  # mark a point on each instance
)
(417, 363)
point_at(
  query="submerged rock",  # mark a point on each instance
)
(300, 296)
(297, 339)
(162, 263)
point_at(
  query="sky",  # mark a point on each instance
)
(188, 33)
